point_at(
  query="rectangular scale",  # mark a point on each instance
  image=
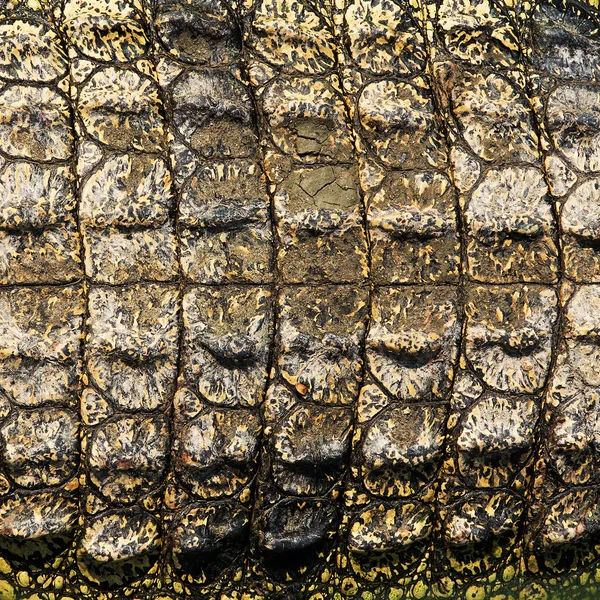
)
(508, 222)
(309, 150)
(125, 184)
(223, 210)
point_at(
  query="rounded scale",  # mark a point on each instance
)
(207, 539)
(198, 31)
(293, 535)
(30, 51)
(215, 453)
(35, 123)
(292, 36)
(40, 447)
(35, 528)
(106, 30)
(311, 446)
(213, 113)
(118, 547)
(127, 457)
(121, 108)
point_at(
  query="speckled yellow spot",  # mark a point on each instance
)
(532, 564)
(7, 591)
(23, 578)
(475, 593)
(349, 587)
(420, 590)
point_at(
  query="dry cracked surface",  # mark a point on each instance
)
(299, 299)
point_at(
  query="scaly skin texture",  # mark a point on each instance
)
(299, 299)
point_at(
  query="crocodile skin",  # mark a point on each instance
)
(299, 299)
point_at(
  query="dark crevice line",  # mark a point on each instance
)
(174, 213)
(275, 285)
(466, 281)
(187, 284)
(279, 285)
(525, 30)
(350, 101)
(429, 42)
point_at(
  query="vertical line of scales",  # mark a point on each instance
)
(510, 302)
(561, 42)
(291, 59)
(226, 242)
(126, 219)
(386, 545)
(42, 309)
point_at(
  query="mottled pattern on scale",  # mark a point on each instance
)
(510, 257)
(562, 524)
(413, 341)
(131, 345)
(411, 204)
(40, 377)
(225, 234)
(309, 153)
(40, 326)
(507, 219)
(38, 232)
(309, 156)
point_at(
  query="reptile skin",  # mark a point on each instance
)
(299, 300)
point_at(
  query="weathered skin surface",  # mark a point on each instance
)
(299, 299)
